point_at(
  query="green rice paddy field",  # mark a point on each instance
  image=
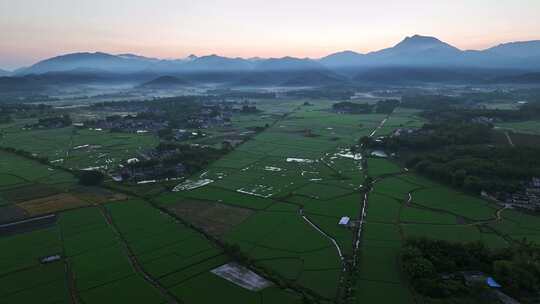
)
(76, 148)
(287, 188)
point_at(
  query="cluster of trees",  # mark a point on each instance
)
(477, 168)
(434, 267)
(527, 111)
(176, 110)
(23, 110)
(52, 122)
(352, 107)
(465, 108)
(249, 109)
(441, 135)
(230, 93)
(429, 102)
(336, 93)
(386, 106)
(465, 156)
(173, 160)
(90, 177)
(194, 158)
(26, 154)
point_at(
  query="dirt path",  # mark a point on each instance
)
(135, 262)
(70, 278)
(498, 218)
(336, 244)
(510, 142)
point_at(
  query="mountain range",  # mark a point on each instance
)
(414, 51)
(415, 58)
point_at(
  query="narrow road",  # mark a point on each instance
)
(358, 234)
(379, 126)
(365, 198)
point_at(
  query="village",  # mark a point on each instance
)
(526, 198)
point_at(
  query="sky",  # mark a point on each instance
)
(32, 30)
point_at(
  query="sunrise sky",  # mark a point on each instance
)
(31, 30)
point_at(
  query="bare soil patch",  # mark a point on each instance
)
(241, 276)
(51, 204)
(96, 195)
(214, 218)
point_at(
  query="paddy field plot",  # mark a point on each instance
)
(381, 166)
(529, 127)
(31, 188)
(401, 118)
(99, 262)
(178, 257)
(78, 148)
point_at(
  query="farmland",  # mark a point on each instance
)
(76, 148)
(529, 127)
(272, 204)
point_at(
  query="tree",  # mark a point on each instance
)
(473, 184)
(418, 268)
(90, 177)
(458, 177)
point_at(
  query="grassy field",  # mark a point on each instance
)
(77, 148)
(530, 127)
(401, 118)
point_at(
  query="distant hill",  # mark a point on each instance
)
(14, 85)
(315, 78)
(164, 82)
(425, 51)
(523, 49)
(422, 58)
(93, 61)
(4, 73)
(288, 64)
(527, 78)
(344, 59)
(216, 63)
(412, 75)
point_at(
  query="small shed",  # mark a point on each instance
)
(492, 283)
(344, 221)
(50, 259)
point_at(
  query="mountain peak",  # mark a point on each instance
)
(420, 42)
(419, 39)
